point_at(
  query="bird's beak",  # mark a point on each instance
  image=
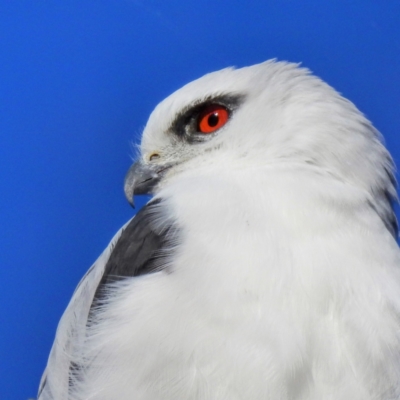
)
(141, 178)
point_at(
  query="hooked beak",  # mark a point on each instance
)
(141, 178)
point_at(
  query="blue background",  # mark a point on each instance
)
(78, 81)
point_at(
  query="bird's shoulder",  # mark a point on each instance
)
(135, 250)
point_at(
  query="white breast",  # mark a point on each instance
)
(280, 288)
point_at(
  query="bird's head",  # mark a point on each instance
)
(271, 114)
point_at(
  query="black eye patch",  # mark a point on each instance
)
(185, 125)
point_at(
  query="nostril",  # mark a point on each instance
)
(154, 156)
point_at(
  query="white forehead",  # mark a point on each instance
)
(248, 81)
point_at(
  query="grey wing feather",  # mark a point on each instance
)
(71, 329)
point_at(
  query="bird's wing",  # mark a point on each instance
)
(135, 250)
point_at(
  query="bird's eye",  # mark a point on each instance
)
(212, 118)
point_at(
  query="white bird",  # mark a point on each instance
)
(266, 265)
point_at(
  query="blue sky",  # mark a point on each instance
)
(78, 80)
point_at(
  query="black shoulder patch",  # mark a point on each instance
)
(138, 250)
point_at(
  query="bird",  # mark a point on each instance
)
(264, 266)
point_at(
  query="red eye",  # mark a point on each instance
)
(212, 118)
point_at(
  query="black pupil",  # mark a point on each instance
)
(213, 119)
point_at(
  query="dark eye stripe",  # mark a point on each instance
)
(185, 125)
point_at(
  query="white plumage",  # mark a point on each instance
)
(281, 279)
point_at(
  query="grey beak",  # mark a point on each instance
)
(141, 179)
